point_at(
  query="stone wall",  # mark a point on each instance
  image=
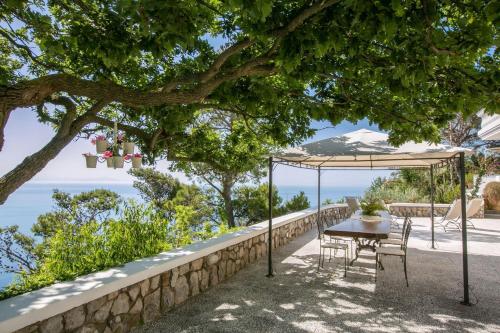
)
(423, 210)
(143, 302)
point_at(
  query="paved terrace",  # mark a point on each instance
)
(299, 299)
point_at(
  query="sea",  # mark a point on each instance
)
(33, 199)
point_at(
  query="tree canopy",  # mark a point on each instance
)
(154, 66)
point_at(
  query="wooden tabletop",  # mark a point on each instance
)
(354, 227)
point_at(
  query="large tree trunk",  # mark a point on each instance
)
(227, 195)
(4, 116)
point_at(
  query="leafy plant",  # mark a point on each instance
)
(370, 207)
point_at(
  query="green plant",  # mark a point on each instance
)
(371, 206)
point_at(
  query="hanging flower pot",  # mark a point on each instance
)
(117, 162)
(90, 160)
(101, 144)
(137, 161)
(128, 148)
(108, 155)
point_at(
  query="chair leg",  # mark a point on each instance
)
(406, 273)
(345, 262)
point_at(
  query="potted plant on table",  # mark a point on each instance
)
(369, 210)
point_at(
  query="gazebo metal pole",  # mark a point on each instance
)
(464, 229)
(270, 231)
(318, 221)
(432, 205)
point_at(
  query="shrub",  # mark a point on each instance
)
(492, 195)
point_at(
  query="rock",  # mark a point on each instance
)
(214, 279)
(102, 314)
(204, 279)
(181, 290)
(193, 283)
(107, 330)
(151, 306)
(144, 287)
(121, 304)
(241, 253)
(52, 325)
(113, 294)
(95, 305)
(74, 318)
(184, 269)
(155, 282)
(197, 264)
(167, 298)
(91, 328)
(165, 279)
(212, 259)
(252, 254)
(175, 276)
(29, 329)
(137, 307)
(222, 270)
(134, 292)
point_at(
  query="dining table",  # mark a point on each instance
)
(366, 234)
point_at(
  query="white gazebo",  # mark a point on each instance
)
(366, 149)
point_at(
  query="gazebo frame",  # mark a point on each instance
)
(395, 164)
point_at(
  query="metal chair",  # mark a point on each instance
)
(394, 251)
(327, 244)
(397, 239)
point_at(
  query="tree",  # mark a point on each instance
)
(406, 66)
(462, 132)
(154, 186)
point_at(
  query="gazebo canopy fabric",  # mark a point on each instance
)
(366, 149)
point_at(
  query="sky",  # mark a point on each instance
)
(25, 135)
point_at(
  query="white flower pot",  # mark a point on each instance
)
(109, 162)
(91, 161)
(128, 148)
(101, 146)
(117, 162)
(136, 162)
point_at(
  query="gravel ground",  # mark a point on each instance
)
(301, 299)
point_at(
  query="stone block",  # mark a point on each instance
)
(174, 277)
(121, 304)
(212, 259)
(102, 314)
(134, 291)
(181, 290)
(194, 283)
(204, 279)
(167, 298)
(144, 287)
(52, 325)
(154, 282)
(197, 264)
(137, 307)
(74, 318)
(183, 269)
(95, 305)
(151, 306)
(214, 279)
(222, 270)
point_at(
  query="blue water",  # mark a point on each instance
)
(31, 200)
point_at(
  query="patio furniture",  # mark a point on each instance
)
(397, 239)
(452, 216)
(353, 204)
(365, 234)
(328, 244)
(394, 218)
(473, 207)
(394, 251)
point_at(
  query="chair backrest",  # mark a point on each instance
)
(405, 224)
(473, 207)
(353, 203)
(454, 211)
(407, 235)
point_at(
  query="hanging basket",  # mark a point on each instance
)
(101, 146)
(109, 162)
(128, 148)
(117, 162)
(91, 161)
(136, 162)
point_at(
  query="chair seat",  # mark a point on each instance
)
(392, 241)
(338, 246)
(391, 251)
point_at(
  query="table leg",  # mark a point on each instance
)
(363, 243)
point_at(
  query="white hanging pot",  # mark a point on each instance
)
(117, 162)
(101, 146)
(128, 148)
(136, 162)
(91, 161)
(109, 162)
